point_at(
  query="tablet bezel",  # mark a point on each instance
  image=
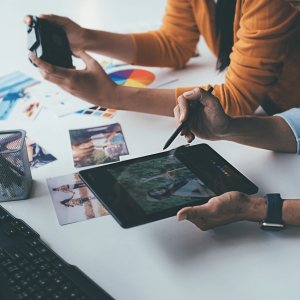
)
(127, 211)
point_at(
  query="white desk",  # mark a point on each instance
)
(166, 259)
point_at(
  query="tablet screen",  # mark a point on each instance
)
(161, 183)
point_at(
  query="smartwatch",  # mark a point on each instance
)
(273, 220)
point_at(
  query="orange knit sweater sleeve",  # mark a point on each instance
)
(264, 31)
(174, 43)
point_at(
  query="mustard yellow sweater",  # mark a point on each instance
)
(266, 35)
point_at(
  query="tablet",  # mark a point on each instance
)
(154, 187)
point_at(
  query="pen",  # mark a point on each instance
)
(180, 127)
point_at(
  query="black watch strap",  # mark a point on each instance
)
(273, 220)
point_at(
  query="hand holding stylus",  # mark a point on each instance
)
(209, 121)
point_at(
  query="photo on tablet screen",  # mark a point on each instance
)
(97, 145)
(160, 183)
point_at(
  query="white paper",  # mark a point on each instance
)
(59, 102)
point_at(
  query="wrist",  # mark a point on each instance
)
(255, 209)
(88, 39)
(229, 131)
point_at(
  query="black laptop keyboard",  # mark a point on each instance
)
(33, 271)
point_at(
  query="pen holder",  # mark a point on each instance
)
(15, 174)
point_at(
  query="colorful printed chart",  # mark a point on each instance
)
(133, 77)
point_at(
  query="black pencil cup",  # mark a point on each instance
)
(15, 174)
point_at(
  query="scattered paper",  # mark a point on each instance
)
(19, 106)
(37, 155)
(59, 102)
(140, 76)
(16, 81)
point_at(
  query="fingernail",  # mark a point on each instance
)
(27, 20)
(190, 93)
(181, 117)
(182, 217)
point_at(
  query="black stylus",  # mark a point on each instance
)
(180, 127)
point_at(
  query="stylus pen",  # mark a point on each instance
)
(180, 127)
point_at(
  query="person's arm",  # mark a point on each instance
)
(118, 46)
(93, 85)
(210, 122)
(235, 206)
(264, 35)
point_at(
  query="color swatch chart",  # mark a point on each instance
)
(98, 111)
(133, 77)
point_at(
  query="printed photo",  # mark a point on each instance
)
(161, 183)
(97, 145)
(37, 155)
(72, 200)
(16, 81)
(18, 105)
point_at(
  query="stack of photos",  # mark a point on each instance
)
(98, 111)
(97, 145)
(72, 200)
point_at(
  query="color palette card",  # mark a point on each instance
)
(139, 76)
(98, 111)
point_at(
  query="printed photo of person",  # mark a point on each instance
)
(72, 200)
(98, 145)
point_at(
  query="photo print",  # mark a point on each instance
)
(37, 155)
(72, 200)
(18, 105)
(97, 145)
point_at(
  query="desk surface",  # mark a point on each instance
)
(165, 259)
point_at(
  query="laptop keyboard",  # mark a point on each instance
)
(33, 271)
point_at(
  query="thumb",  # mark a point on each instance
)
(188, 213)
(206, 98)
(89, 61)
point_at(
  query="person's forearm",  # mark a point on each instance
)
(272, 133)
(255, 210)
(151, 101)
(119, 46)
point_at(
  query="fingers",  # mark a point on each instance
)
(177, 115)
(183, 108)
(89, 61)
(196, 215)
(58, 20)
(27, 19)
(50, 69)
(206, 98)
(54, 79)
